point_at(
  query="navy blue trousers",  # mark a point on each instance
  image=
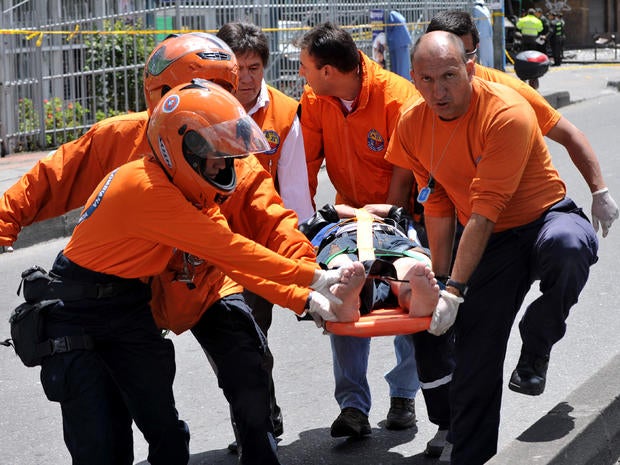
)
(237, 348)
(557, 249)
(128, 376)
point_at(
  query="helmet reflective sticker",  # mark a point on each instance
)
(171, 103)
(164, 153)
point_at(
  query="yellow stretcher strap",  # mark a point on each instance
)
(365, 249)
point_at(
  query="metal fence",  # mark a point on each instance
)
(69, 63)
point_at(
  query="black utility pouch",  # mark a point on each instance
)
(28, 331)
(36, 284)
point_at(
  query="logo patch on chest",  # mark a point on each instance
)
(375, 141)
(274, 141)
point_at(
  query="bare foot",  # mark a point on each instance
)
(424, 290)
(348, 290)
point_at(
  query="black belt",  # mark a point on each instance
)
(65, 344)
(40, 285)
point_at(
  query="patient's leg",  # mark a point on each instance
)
(421, 292)
(349, 292)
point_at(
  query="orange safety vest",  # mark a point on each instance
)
(275, 120)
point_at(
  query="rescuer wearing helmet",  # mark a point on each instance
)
(128, 231)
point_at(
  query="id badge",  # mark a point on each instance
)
(424, 194)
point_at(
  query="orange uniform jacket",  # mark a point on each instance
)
(65, 181)
(275, 120)
(254, 210)
(492, 161)
(353, 145)
(136, 218)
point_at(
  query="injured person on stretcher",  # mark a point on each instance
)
(389, 267)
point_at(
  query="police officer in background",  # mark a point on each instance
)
(557, 38)
(530, 27)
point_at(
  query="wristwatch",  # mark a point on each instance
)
(461, 287)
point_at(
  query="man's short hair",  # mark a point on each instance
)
(457, 22)
(331, 45)
(245, 38)
(531, 11)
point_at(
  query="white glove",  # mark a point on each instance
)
(6, 248)
(604, 210)
(445, 313)
(319, 309)
(324, 279)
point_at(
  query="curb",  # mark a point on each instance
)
(47, 230)
(558, 99)
(584, 429)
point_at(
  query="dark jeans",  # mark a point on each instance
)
(262, 311)
(237, 348)
(128, 375)
(557, 249)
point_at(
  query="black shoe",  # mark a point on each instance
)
(350, 422)
(401, 414)
(435, 447)
(530, 375)
(233, 447)
(278, 430)
(278, 424)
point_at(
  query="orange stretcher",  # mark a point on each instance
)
(380, 322)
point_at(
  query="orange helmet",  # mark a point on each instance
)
(195, 122)
(179, 59)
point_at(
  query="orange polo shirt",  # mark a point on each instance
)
(492, 161)
(546, 115)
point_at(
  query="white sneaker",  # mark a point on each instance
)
(445, 454)
(436, 445)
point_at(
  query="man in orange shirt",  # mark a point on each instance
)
(477, 151)
(604, 210)
(552, 123)
(556, 127)
(348, 112)
(276, 114)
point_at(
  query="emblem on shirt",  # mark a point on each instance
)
(171, 103)
(375, 141)
(274, 141)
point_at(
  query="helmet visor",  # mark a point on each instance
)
(234, 138)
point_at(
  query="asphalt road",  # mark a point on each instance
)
(31, 426)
